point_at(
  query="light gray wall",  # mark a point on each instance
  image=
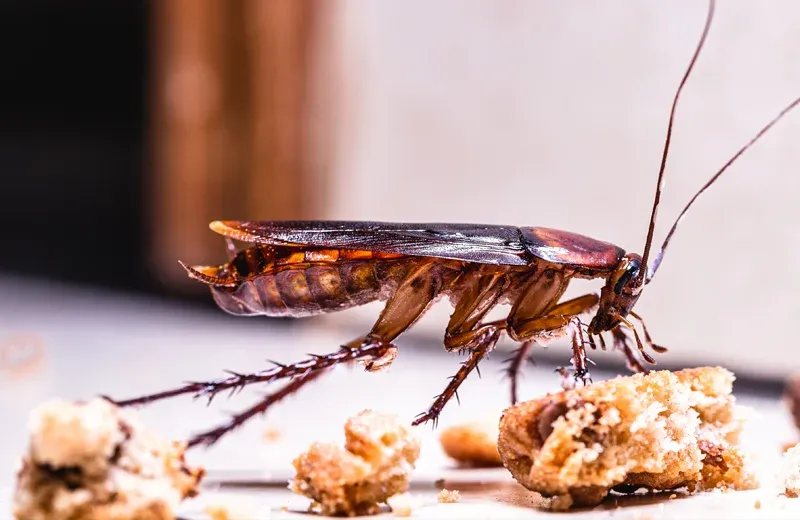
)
(554, 113)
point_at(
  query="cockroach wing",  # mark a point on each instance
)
(486, 244)
(564, 247)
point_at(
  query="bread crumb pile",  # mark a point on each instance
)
(375, 464)
(447, 496)
(664, 430)
(87, 461)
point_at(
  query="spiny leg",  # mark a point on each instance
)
(639, 344)
(476, 355)
(561, 319)
(579, 358)
(369, 348)
(568, 308)
(658, 348)
(479, 286)
(410, 300)
(622, 342)
(210, 437)
(515, 364)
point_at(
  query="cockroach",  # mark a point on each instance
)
(304, 268)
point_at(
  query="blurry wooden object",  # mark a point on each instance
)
(230, 105)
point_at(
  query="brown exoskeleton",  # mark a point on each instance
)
(304, 268)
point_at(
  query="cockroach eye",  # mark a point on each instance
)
(631, 270)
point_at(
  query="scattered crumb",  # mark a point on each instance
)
(448, 497)
(439, 483)
(89, 461)
(217, 512)
(239, 508)
(757, 504)
(404, 504)
(662, 431)
(472, 444)
(272, 434)
(561, 502)
(375, 464)
(789, 474)
(673, 496)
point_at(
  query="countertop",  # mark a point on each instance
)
(100, 343)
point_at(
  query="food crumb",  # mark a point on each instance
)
(439, 483)
(789, 474)
(448, 497)
(757, 504)
(92, 461)
(673, 496)
(472, 444)
(680, 429)
(404, 504)
(272, 434)
(376, 462)
(561, 502)
(217, 512)
(236, 510)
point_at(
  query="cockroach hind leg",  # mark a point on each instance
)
(368, 349)
(212, 436)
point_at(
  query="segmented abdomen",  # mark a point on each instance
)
(294, 283)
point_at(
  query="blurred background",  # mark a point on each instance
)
(128, 126)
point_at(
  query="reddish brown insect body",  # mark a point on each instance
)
(303, 268)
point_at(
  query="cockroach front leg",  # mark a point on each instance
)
(543, 328)
(623, 342)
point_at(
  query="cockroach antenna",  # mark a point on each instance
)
(646, 275)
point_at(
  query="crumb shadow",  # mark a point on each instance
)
(471, 466)
(514, 494)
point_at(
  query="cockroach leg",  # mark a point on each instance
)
(561, 318)
(647, 337)
(480, 287)
(210, 437)
(579, 358)
(590, 339)
(487, 344)
(622, 342)
(602, 341)
(639, 343)
(472, 339)
(515, 364)
(369, 348)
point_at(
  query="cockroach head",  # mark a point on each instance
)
(619, 295)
